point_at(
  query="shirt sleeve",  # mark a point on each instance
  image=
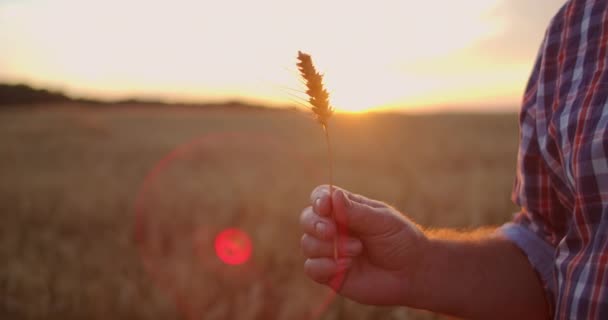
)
(539, 253)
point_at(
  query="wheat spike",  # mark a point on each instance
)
(317, 95)
(322, 110)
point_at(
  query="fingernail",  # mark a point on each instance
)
(318, 203)
(321, 228)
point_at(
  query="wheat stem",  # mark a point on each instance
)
(319, 100)
(331, 183)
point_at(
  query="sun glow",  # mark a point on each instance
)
(208, 50)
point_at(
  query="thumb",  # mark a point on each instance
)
(358, 217)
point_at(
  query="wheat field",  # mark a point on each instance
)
(111, 213)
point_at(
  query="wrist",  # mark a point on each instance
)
(419, 274)
(433, 287)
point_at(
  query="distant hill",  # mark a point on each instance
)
(24, 95)
(18, 94)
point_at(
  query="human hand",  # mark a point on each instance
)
(381, 252)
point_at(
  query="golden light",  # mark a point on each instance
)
(371, 73)
(213, 50)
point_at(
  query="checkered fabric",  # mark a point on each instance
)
(562, 166)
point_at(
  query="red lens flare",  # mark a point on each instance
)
(233, 246)
(194, 214)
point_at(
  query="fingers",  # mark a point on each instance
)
(323, 270)
(319, 191)
(355, 212)
(320, 200)
(316, 248)
(320, 227)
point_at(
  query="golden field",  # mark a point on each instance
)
(88, 232)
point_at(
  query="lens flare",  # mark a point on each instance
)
(233, 246)
(202, 257)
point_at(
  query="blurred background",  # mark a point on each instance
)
(133, 133)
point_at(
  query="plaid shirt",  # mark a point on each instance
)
(562, 176)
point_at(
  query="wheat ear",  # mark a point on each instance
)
(322, 110)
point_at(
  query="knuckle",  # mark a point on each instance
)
(314, 270)
(304, 215)
(303, 241)
(325, 229)
(313, 194)
(309, 245)
(309, 268)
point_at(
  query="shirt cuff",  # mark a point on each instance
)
(540, 254)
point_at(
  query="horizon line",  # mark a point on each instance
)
(151, 98)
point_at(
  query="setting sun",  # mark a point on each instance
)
(374, 54)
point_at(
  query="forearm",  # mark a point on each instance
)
(478, 277)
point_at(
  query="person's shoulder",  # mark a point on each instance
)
(574, 18)
(574, 12)
(556, 23)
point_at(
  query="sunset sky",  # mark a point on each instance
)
(402, 54)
